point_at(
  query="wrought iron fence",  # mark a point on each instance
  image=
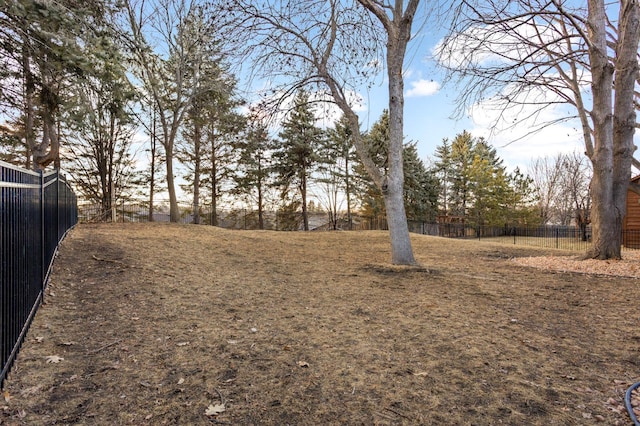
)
(558, 237)
(36, 212)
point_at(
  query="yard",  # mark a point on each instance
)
(182, 324)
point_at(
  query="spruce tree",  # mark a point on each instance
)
(295, 154)
(252, 174)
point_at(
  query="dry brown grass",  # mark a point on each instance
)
(156, 323)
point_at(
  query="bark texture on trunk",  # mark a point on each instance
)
(613, 127)
(174, 212)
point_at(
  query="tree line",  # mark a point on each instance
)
(94, 73)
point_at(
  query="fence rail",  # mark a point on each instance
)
(560, 237)
(36, 212)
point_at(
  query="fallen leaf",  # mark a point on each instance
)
(7, 396)
(39, 339)
(54, 359)
(421, 374)
(214, 410)
(303, 364)
(181, 381)
(182, 344)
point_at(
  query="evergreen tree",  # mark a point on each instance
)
(43, 45)
(252, 174)
(461, 160)
(170, 46)
(211, 127)
(442, 171)
(295, 154)
(479, 191)
(420, 187)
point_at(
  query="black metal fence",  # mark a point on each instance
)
(558, 237)
(36, 212)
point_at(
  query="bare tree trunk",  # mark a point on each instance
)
(152, 177)
(398, 36)
(174, 212)
(214, 182)
(613, 139)
(48, 150)
(303, 194)
(348, 190)
(260, 202)
(196, 172)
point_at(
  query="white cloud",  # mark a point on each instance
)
(423, 87)
(526, 132)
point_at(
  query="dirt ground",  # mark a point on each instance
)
(192, 325)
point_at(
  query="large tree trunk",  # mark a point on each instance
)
(47, 151)
(196, 172)
(401, 250)
(169, 137)
(613, 137)
(398, 37)
(152, 177)
(174, 212)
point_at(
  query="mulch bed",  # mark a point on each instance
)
(182, 324)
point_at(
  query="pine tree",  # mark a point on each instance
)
(461, 160)
(420, 188)
(253, 171)
(479, 190)
(212, 126)
(43, 46)
(442, 171)
(295, 154)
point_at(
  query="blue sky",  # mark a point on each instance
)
(430, 106)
